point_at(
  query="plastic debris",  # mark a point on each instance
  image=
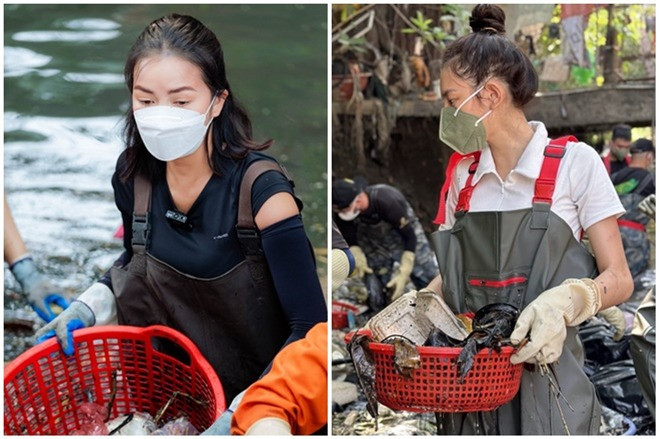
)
(180, 426)
(133, 424)
(92, 420)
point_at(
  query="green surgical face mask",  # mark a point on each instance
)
(619, 153)
(461, 131)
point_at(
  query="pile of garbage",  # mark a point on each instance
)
(609, 366)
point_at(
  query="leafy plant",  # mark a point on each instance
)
(430, 34)
(347, 43)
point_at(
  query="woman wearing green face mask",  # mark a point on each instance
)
(512, 212)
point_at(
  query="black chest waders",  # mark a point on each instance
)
(512, 257)
(235, 319)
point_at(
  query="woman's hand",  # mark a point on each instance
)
(76, 316)
(546, 318)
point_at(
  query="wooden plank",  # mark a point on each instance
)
(598, 108)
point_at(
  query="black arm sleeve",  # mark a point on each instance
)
(391, 206)
(291, 263)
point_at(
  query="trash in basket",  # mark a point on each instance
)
(445, 379)
(44, 389)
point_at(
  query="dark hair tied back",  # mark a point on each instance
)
(187, 38)
(486, 18)
(487, 53)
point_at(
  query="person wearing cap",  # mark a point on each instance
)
(382, 231)
(617, 157)
(634, 184)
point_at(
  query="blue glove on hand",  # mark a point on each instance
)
(39, 290)
(76, 316)
(222, 426)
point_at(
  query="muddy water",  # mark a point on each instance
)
(64, 98)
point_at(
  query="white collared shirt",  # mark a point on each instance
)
(583, 196)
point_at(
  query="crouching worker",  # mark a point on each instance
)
(382, 231)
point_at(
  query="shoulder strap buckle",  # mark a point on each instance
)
(544, 187)
(250, 241)
(141, 228)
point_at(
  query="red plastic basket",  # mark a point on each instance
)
(434, 387)
(43, 387)
(340, 313)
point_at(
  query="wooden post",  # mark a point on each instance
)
(609, 50)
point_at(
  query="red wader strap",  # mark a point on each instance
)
(545, 183)
(631, 225)
(454, 159)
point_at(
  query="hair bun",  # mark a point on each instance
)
(488, 18)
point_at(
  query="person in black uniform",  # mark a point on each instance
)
(634, 183)
(214, 242)
(382, 231)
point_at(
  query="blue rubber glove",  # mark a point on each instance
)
(40, 292)
(222, 426)
(76, 316)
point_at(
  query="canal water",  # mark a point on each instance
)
(65, 96)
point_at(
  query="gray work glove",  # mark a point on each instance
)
(76, 316)
(222, 425)
(40, 292)
(647, 205)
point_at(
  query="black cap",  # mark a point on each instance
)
(642, 145)
(344, 192)
(621, 132)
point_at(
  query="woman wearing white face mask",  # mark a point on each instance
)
(214, 242)
(512, 211)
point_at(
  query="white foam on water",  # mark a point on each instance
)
(44, 36)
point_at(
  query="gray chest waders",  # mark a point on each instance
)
(235, 319)
(512, 257)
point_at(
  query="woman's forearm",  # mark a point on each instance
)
(614, 281)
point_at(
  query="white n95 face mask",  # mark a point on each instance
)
(349, 216)
(170, 133)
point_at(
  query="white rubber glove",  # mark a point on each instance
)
(269, 427)
(340, 267)
(546, 318)
(400, 279)
(614, 316)
(100, 299)
(361, 266)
